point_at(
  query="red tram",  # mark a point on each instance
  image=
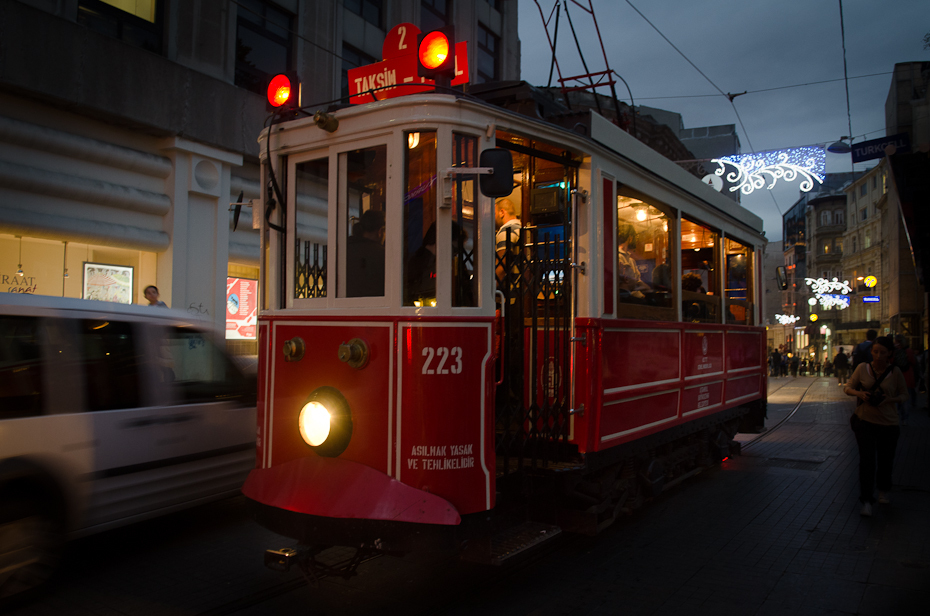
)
(418, 383)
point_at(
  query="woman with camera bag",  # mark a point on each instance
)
(879, 386)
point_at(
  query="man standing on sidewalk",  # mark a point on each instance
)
(841, 365)
(862, 353)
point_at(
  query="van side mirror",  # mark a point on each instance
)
(781, 278)
(499, 183)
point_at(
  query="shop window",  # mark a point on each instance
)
(419, 228)
(362, 191)
(644, 269)
(738, 291)
(488, 53)
(264, 43)
(369, 10)
(700, 289)
(138, 23)
(434, 14)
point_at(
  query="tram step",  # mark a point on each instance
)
(511, 542)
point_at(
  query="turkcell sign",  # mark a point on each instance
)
(871, 299)
(875, 148)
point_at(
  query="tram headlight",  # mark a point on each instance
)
(325, 422)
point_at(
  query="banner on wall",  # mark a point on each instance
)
(108, 283)
(241, 308)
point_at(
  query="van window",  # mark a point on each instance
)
(111, 364)
(197, 370)
(20, 367)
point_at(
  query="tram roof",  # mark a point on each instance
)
(605, 135)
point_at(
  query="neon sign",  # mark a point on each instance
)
(749, 172)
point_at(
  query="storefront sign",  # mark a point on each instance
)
(871, 299)
(13, 283)
(868, 150)
(241, 308)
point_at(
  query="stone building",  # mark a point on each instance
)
(127, 128)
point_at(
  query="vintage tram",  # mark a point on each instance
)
(426, 381)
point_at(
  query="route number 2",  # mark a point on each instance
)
(449, 360)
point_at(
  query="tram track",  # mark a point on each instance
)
(790, 414)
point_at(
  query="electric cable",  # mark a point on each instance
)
(796, 85)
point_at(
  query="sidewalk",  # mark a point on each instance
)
(841, 562)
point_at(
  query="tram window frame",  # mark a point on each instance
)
(643, 300)
(733, 307)
(411, 296)
(695, 303)
(344, 229)
(465, 293)
(292, 238)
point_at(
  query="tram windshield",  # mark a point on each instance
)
(700, 288)
(363, 192)
(310, 246)
(420, 219)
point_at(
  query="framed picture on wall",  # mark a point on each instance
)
(108, 283)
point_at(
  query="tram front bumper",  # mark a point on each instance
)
(336, 488)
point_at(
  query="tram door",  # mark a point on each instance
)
(535, 305)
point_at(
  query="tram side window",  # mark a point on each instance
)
(738, 283)
(111, 365)
(311, 215)
(420, 219)
(21, 367)
(464, 224)
(364, 191)
(700, 289)
(644, 271)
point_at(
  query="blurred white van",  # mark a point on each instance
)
(109, 414)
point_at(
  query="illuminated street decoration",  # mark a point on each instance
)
(825, 285)
(749, 171)
(829, 300)
(786, 319)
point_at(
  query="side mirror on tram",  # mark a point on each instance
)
(499, 183)
(781, 278)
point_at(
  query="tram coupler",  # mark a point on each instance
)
(281, 560)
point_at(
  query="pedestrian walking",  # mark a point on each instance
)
(775, 363)
(795, 365)
(906, 361)
(841, 367)
(879, 386)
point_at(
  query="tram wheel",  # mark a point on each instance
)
(31, 546)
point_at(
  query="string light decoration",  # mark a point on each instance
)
(750, 171)
(824, 290)
(786, 319)
(830, 300)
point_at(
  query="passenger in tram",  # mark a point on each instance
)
(696, 312)
(507, 219)
(421, 270)
(662, 278)
(630, 281)
(365, 256)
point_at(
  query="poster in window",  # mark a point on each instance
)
(241, 308)
(108, 283)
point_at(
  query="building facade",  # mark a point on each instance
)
(126, 134)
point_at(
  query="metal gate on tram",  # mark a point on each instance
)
(534, 363)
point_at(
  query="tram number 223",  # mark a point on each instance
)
(442, 360)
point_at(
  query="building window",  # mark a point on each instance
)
(867, 241)
(496, 4)
(839, 217)
(884, 183)
(864, 213)
(263, 43)
(352, 58)
(864, 189)
(874, 182)
(138, 23)
(369, 10)
(839, 245)
(855, 244)
(488, 46)
(825, 218)
(434, 14)
(825, 247)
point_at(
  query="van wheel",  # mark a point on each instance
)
(31, 545)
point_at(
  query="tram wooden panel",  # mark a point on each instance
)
(743, 350)
(637, 415)
(366, 390)
(703, 353)
(639, 357)
(444, 422)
